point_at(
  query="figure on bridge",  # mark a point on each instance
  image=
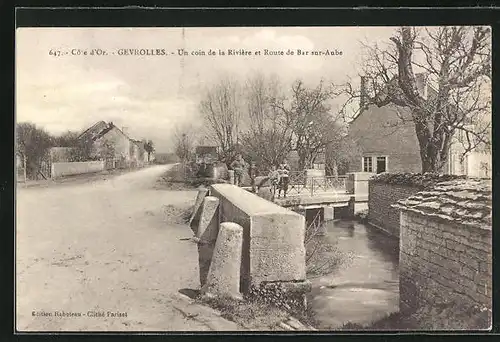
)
(238, 165)
(274, 178)
(284, 172)
(253, 172)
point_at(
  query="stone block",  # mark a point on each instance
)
(277, 251)
(470, 262)
(208, 226)
(195, 215)
(223, 278)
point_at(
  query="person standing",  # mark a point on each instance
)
(238, 166)
(274, 178)
(284, 171)
(253, 174)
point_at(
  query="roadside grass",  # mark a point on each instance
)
(392, 322)
(253, 315)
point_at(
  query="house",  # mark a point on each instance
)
(114, 143)
(388, 143)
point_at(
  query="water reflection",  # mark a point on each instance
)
(365, 288)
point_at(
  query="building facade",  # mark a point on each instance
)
(388, 143)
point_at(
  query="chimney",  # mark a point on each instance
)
(125, 130)
(363, 96)
(421, 82)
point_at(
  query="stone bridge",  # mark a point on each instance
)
(270, 256)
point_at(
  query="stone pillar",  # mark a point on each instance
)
(329, 213)
(209, 219)
(206, 234)
(195, 215)
(223, 278)
(357, 182)
(231, 176)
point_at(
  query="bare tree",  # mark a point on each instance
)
(32, 145)
(220, 109)
(340, 154)
(457, 64)
(67, 139)
(267, 139)
(184, 141)
(308, 114)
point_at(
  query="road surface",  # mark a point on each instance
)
(105, 251)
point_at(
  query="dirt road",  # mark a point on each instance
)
(103, 251)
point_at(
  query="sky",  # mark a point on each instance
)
(150, 95)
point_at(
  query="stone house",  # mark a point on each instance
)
(124, 150)
(388, 142)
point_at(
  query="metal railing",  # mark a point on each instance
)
(299, 184)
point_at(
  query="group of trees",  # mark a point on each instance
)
(264, 120)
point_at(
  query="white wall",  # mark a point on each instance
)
(478, 164)
(76, 168)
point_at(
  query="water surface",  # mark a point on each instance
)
(365, 288)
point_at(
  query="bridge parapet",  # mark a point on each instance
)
(273, 237)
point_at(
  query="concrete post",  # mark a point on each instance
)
(223, 278)
(231, 176)
(195, 215)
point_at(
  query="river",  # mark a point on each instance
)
(365, 288)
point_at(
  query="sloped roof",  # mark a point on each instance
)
(98, 130)
(93, 130)
(466, 202)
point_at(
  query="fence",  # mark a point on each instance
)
(300, 184)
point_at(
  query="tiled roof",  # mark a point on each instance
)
(466, 202)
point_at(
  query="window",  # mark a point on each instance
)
(367, 164)
(381, 164)
(376, 164)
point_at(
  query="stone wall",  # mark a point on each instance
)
(445, 260)
(444, 264)
(386, 189)
(75, 168)
(380, 199)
